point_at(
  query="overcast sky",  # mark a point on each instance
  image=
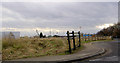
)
(57, 17)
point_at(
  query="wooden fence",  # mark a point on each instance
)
(73, 38)
(82, 37)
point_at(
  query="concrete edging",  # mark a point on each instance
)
(102, 51)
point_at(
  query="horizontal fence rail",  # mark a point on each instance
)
(73, 38)
(82, 37)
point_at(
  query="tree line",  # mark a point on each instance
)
(113, 31)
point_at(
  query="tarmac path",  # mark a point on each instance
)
(112, 51)
(111, 55)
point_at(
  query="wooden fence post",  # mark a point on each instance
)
(92, 37)
(69, 41)
(95, 37)
(73, 41)
(88, 37)
(85, 37)
(79, 39)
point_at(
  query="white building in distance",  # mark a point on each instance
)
(15, 35)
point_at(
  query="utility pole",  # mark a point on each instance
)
(80, 27)
(50, 31)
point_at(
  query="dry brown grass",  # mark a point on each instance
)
(32, 47)
(35, 47)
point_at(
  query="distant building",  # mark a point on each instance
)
(14, 35)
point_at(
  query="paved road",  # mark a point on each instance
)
(110, 55)
(112, 51)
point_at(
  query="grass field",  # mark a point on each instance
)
(35, 47)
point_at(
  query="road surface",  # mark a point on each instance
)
(111, 51)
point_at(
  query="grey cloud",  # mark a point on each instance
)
(60, 15)
(54, 10)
